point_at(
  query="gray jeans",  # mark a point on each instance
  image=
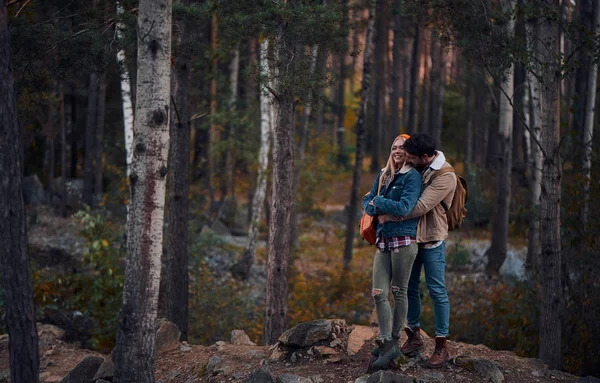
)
(392, 267)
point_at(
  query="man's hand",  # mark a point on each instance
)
(388, 217)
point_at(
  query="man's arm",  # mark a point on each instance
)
(432, 195)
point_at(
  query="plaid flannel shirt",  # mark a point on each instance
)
(391, 243)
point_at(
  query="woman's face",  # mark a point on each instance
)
(398, 153)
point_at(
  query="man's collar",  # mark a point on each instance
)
(439, 161)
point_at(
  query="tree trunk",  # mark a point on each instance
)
(63, 153)
(299, 164)
(228, 190)
(406, 71)
(90, 131)
(396, 65)
(276, 306)
(249, 256)
(16, 278)
(360, 138)
(355, 34)
(125, 96)
(342, 159)
(438, 89)
(213, 133)
(381, 42)
(134, 352)
(176, 263)
(499, 247)
(551, 287)
(585, 16)
(99, 140)
(469, 111)
(534, 250)
(426, 87)
(588, 129)
(413, 106)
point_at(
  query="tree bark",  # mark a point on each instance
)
(213, 133)
(63, 152)
(266, 100)
(176, 263)
(406, 71)
(99, 139)
(380, 52)
(396, 65)
(342, 159)
(360, 138)
(534, 250)
(228, 189)
(499, 247)
(90, 132)
(438, 88)
(551, 287)
(17, 285)
(134, 352)
(469, 111)
(413, 106)
(588, 129)
(426, 86)
(276, 307)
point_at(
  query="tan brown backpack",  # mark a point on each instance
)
(456, 212)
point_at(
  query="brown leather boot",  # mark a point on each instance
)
(414, 341)
(440, 354)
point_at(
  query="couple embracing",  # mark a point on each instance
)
(410, 198)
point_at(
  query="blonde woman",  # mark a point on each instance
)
(395, 191)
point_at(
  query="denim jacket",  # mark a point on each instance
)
(398, 198)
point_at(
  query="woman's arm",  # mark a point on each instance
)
(408, 198)
(366, 202)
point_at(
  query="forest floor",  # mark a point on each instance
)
(224, 362)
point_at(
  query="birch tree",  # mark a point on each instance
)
(498, 250)
(360, 137)
(249, 256)
(16, 278)
(134, 352)
(125, 95)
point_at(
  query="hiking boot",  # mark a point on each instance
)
(414, 341)
(379, 342)
(440, 354)
(387, 353)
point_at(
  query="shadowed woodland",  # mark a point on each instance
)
(203, 161)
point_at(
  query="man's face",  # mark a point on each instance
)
(416, 161)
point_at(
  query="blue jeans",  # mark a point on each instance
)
(435, 264)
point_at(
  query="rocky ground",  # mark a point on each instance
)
(321, 351)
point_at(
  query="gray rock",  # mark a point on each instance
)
(102, 381)
(51, 331)
(212, 363)
(289, 378)
(106, 370)
(513, 266)
(219, 228)
(306, 334)
(241, 338)
(295, 357)
(84, 372)
(33, 191)
(4, 375)
(588, 379)
(484, 367)
(386, 376)
(260, 375)
(167, 336)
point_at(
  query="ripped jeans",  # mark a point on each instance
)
(392, 266)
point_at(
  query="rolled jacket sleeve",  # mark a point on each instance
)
(408, 200)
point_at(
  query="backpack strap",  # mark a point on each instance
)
(438, 173)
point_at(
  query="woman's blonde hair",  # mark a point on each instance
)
(390, 169)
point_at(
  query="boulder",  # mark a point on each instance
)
(77, 327)
(358, 337)
(484, 367)
(106, 370)
(513, 266)
(50, 331)
(289, 378)
(306, 334)
(325, 351)
(167, 336)
(240, 337)
(212, 363)
(260, 375)
(33, 191)
(386, 376)
(84, 371)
